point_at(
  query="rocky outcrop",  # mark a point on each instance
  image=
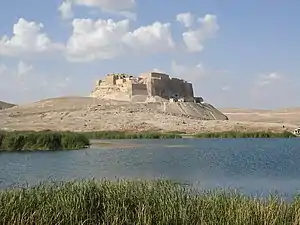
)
(5, 105)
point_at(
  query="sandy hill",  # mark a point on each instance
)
(87, 114)
(282, 116)
(5, 105)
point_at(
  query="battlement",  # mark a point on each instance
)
(147, 84)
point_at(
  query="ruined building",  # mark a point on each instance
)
(143, 87)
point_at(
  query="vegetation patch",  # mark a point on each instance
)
(44, 140)
(236, 134)
(139, 202)
(130, 135)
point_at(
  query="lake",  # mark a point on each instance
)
(255, 166)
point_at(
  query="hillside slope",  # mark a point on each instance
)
(88, 114)
(202, 111)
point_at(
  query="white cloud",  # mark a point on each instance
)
(23, 69)
(16, 78)
(153, 38)
(226, 88)
(119, 7)
(66, 10)
(106, 39)
(266, 79)
(272, 90)
(272, 76)
(27, 37)
(3, 68)
(115, 5)
(23, 83)
(63, 83)
(157, 70)
(187, 19)
(194, 38)
(190, 73)
(91, 40)
(16, 75)
(126, 14)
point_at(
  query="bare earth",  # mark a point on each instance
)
(89, 114)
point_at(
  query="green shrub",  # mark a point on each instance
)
(130, 135)
(139, 202)
(13, 141)
(46, 140)
(2, 135)
(236, 134)
(74, 140)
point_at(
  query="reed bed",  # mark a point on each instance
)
(43, 140)
(126, 202)
(131, 135)
(236, 134)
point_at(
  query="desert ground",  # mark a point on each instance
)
(90, 114)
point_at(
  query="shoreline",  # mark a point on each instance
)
(67, 140)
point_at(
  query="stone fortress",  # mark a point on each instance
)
(152, 86)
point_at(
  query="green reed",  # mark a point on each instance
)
(43, 140)
(131, 135)
(237, 134)
(155, 202)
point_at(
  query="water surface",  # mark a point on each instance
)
(251, 165)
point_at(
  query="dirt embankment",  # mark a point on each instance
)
(88, 114)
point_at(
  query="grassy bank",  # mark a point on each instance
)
(130, 135)
(235, 134)
(47, 140)
(134, 202)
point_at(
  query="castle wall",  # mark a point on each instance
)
(160, 88)
(120, 81)
(176, 87)
(98, 82)
(159, 75)
(139, 89)
(110, 80)
(155, 75)
(188, 87)
(148, 84)
(171, 88)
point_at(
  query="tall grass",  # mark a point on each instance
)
(236, 134)
(131, 135)
(47, 140)
(139, 202)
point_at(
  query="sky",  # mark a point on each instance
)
(242, 54)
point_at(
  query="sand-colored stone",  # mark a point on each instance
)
(139, 89)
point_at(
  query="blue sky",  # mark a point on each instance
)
(248, 54)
